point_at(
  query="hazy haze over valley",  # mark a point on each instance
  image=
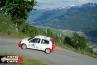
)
(77, 15)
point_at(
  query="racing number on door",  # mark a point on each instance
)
(35, 42)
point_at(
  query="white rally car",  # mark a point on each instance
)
(39, 42)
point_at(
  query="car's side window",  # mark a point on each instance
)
(35, 40)
(44, 41)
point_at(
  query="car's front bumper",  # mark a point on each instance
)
(20, 45)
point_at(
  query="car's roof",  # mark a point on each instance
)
(42, 37)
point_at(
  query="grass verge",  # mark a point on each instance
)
(27, 60)
(86, 51)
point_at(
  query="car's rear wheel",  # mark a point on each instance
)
(24, 46)
(47, 50)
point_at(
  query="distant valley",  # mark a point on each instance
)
(78, 18)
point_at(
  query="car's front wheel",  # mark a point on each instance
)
(24, 46)
(47, 50)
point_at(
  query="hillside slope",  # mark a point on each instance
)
(77, 18)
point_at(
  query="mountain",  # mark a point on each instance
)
(75, 18)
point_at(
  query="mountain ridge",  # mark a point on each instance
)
(74, 18)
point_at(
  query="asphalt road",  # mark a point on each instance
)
(59, 57)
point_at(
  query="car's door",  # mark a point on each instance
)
(34, 43)
(44, 44)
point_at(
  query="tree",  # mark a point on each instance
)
(78, 41)
(2, 3)
(48, 32)
(68, 40)
(17, 9)
(6, 25)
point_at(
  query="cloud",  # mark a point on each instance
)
(86, 1)
(51, 4)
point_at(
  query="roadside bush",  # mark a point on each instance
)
(76, 41)
(6, 25)
(26, 29)
(67, 40)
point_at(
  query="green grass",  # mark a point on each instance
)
(27, 60)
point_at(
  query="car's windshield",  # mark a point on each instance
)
(29, 38)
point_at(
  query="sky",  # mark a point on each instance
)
(53, 4)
